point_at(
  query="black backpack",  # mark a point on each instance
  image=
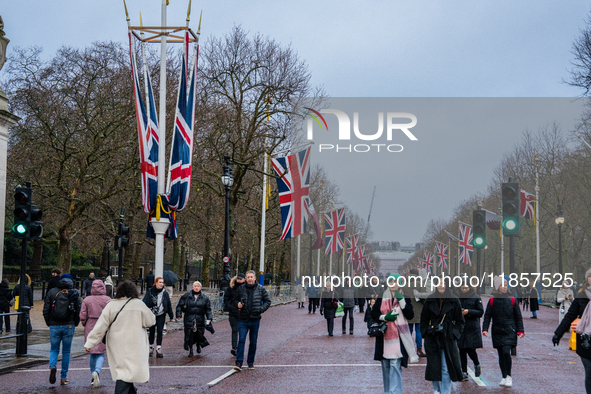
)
(60, 309)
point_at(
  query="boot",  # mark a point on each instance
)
(190, 351)
(420, 352)
(151, 351)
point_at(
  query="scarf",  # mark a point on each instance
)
(397, 331)
(584, 326)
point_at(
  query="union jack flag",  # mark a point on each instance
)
(147, 124)
(372, 269)
(352, 242)
(293, 186)
(360, 259)
(441, 249)
(427, 262)
(334, 230)
(527, 204)
(312, 212)
(465, 245)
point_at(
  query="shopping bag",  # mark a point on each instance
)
(340, 310)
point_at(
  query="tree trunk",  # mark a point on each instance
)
(205, 262)
(135, 270)
(182, 264)
(128, 262)
(104, 262)
(35, 270)
(176, 246)
(64, 260)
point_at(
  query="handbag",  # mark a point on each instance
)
(377, 329)
(104, 340)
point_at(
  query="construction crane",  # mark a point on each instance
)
(371, 205)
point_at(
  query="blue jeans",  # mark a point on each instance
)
(63, 335)
(250, 327)
(392, 375)
(444, 386)
(534, 313)
(96, 362)
(418, 337)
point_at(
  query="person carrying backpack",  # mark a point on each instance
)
(61, 311)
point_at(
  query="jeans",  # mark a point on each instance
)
(534, 313)
(330, 325)
(6, 320)
(587, 365)
(348, 311)
(234, 324)
(96, 362)
(418, 337)
(392, 375)
(313, 303)
(63, 335)
(464, 353)
(444, 386)
(250, 327)
(159, 326)
(505, 360)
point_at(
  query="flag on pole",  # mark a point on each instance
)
(527, 204)
(427, 262)
(465, 245)
(442, 254)
(293, 186)
(361, 258)
(312, 212)
(334, 230)
(493, 221)
(451, 237)
(352, 242)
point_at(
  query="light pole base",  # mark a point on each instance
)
(160, 227)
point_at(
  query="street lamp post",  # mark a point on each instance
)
(227, 181)
(559, 221)
(187, 274)
(108, 244)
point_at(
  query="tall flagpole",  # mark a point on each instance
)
(502, 245)
(264, 214)
(330, 265)
(318, 266)
(536, 219)
(298, 264)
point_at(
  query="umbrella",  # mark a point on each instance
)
(170, 278)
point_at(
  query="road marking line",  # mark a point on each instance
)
(224, 376)
(477, 380)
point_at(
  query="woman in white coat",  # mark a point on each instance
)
(126, 318)
(565, 298)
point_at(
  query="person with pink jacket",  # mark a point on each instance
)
(92, 307)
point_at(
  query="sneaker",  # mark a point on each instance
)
(233, 351)
(533, 317)
(503, 382)
(52, 375)
(351, 333)
(508, 382)
(63, 382)
(344, 332)
(96, 382)
(465, 377)
(159, 353)
(477, 370)
(237, 367)
(250, 366)
(151, 351)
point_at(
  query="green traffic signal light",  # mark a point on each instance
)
(509, 224)
(478, 241)
(19, 228)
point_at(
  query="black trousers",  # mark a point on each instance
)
(313, 303)
(464, 353)
(348, 311)
(587, 365)
(122, 387)
(330, 325)
(505, 360)
(234, 324)
(159, 326)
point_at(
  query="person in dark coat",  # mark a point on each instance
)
(328, 307)
(367, 318)
(196, 308)
(471, 338)
(313, 292)
(5, 298)
(87, 285)
(150, 279)
(396, 346)
(579, 309)
(158, 301)
(347, 297)
(26, 299)
(507, 325)
(533, 301)
(231, 299)
(442, 323)
(55, 278)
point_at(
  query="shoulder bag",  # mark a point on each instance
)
(104, 340)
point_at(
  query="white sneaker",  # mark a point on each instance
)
(503, 382)
(96, 382)
(508, 382)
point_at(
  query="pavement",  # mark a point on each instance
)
(295, 354)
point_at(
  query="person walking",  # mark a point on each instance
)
(367, 317)
(56, 273)
(471, 338)
(231, 299)
(150, 278)
(91, 310)
(196, 308)
(254, 301)
(87, 285)
(158, 301)
(507, 325)
(442, 323)
(396, 346)
(5, 303)
(328, 307)
(25, 300)
(417, 295)
(61, 311)
(347, 297)
(312, 292)
(533, 301)
(124, 321)
(109, 286)
(580, 308)
(564, 298)
(300, 295)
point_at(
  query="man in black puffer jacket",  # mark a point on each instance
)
(252, 301)
(230, 296)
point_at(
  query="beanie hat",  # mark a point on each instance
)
(393, 281)
(497, 281)
(241, 276)
(66, 276)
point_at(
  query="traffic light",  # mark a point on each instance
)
(479, 228)
(22, 212)
(511, 208)
(122, 237)
(36, 228)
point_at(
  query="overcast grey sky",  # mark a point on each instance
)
(369, 49)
